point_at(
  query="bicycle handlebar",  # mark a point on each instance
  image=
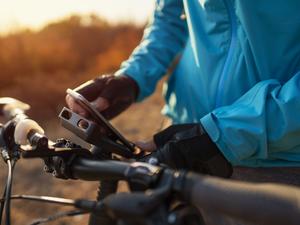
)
(95, 170)
(263, 203)
(266, 203)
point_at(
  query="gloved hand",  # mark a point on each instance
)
(189, 147)
(110, 95)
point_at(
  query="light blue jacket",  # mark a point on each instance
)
(239, 73)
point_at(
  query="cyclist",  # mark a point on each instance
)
(235, 89)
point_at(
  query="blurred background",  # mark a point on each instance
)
(48, 46)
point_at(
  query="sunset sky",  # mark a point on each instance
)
(16, 14)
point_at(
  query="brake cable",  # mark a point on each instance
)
(59, 216)
(48, 199)
(63, 201)
(7, 193)
(11, 166)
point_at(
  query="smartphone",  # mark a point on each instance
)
(99, 118)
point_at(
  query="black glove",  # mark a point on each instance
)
(120, 92)
(189, 147)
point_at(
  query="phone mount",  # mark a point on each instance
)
(90, 132)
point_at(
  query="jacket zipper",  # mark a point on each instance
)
(233, 40)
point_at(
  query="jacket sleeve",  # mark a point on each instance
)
(163, 39)
(264, 124)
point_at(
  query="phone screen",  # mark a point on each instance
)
(99, 118)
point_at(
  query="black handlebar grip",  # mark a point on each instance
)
(95, 170)
(264, 203)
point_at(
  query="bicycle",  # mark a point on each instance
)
(67, 160)
(163, 188)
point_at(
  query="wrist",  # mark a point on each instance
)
(166, 135)
(132, 84)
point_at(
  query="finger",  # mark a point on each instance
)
(148, 146)
(101, 104)
(71, 103)
(91, 89)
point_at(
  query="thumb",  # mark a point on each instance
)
(100, 104)
(71, 103)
